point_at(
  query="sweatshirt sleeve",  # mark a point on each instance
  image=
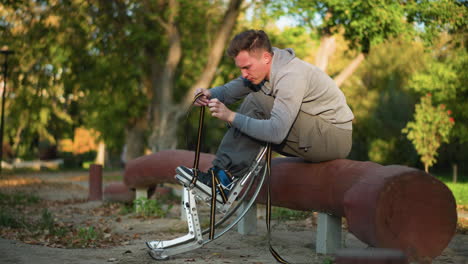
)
(231, 92)
(288, 99)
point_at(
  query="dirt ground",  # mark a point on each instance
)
(65, 195)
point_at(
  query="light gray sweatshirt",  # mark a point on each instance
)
(296, 86)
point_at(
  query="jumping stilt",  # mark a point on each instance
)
(242, 196)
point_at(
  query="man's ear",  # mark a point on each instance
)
(267, 57)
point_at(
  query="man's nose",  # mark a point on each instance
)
(244, 73)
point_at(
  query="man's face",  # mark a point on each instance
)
(254, 66)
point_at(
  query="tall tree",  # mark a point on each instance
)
(162, 105)
(366, 23)
(38, 99)
(223, 33)
(444, 77)
(111, 66)
(430, 128)
(164, 130)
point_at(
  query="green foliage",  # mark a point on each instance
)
(97, 68)
(35, 77)
(88, 234)
(9, 214)
(380, 150)
(9, 218)
(75, 161)
(460, 192)
(151, 207)
(382, 103)
(48, 224)
(445, 78)
(367, 23)
(47, 220)
(297, 38)
(126, 209)
(430, 128)
(440, 79)
(459, 189)
(17, 199)
(284, 214)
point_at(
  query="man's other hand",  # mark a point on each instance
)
(219, 110)
(204, 99)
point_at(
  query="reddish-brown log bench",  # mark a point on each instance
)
(118, 192)
(385, 206)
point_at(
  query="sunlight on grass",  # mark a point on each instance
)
(460, 191)
(113, 177)
(18, 182)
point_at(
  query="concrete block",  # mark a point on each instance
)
(370, 256)
(328, 233)
(248, 224)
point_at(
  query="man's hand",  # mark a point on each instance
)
(219, 110)
(204, 99)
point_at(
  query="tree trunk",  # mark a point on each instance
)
(455, 173)
(17, 138)
(162, 108)
(165, 128)
(326, 49)
(426, 167)
(101, 154)
(135, 140)
(164, 114)
(216, 53)
(349, 70)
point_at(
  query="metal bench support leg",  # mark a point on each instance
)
(248, 224)
(328, 233)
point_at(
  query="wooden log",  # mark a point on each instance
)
(370, 256)
(118, 192)
(95, 182)
(300, 185)
(385, 206)
(150, 170)
(407, 209)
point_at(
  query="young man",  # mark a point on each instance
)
(288, 102)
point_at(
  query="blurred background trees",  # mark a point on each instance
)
(126, 70)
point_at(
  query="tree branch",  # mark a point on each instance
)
(349, 70)
(216, 53)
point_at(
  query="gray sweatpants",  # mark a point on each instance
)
(310, 137)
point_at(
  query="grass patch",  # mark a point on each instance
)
(17, 199)
(9, 218)
(446, 176)
(459, 189)
(88, 234)
(112, 177)
(126, 208)
(23, 217)
(280, 213)
(151, 207)
(11, 205)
